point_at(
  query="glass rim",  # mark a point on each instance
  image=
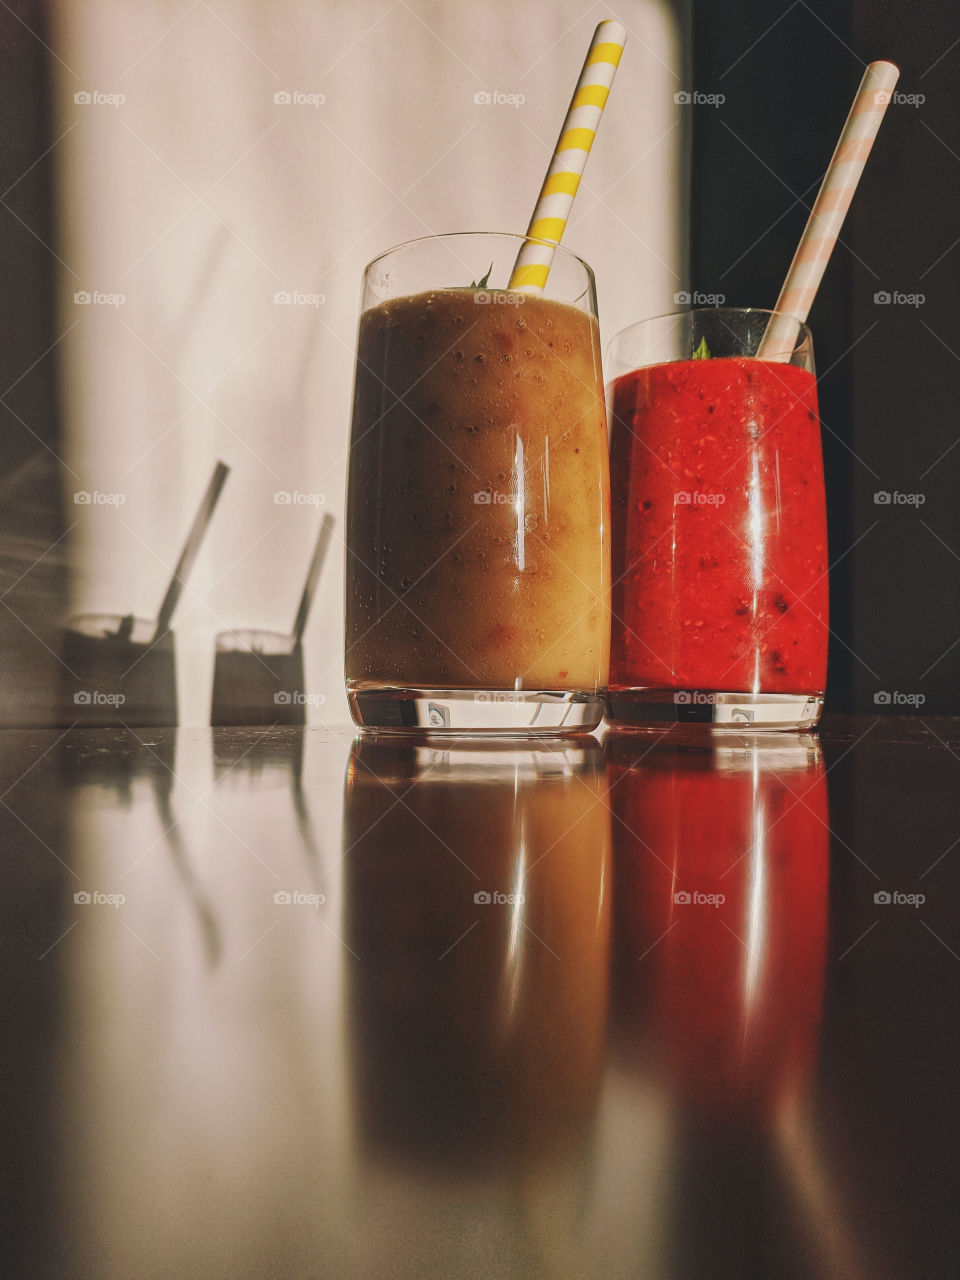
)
(241, 635)
(502, 235)
(805, 333)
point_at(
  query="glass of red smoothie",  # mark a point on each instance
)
(478, 496)
(719, 532)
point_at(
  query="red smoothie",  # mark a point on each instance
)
(719, 529)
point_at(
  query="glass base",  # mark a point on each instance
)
(459, 712)
(704, 711)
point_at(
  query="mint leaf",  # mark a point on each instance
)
(483, 282)
(702, 352)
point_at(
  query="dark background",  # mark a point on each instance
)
(33, 567)
(889, 375)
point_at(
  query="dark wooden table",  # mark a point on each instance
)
(278, 1005)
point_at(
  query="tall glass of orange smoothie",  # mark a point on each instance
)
(478, 495)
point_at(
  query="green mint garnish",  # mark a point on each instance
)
(483, 282)
(703, 351)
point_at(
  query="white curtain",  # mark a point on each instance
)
(190, 186)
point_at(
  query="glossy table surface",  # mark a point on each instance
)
(278, 1004)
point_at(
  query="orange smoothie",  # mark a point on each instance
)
(477, 520)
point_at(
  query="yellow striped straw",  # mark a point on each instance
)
(829, 210)
(552, 210)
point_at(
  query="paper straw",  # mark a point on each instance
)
(313, 576)
(553, 206)
(829, 210)
(190, 548)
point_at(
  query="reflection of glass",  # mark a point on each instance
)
(124, 769)
(129, 772)
(478, 1024)
(257, 679)
(258, 760)
(719, 525)
(478, 495)
(269, 762)
(116, 671)
(720, 867)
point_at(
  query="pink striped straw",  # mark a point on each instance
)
(829, 210)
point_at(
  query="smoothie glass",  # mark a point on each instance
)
(478, 494)
(719, 534)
